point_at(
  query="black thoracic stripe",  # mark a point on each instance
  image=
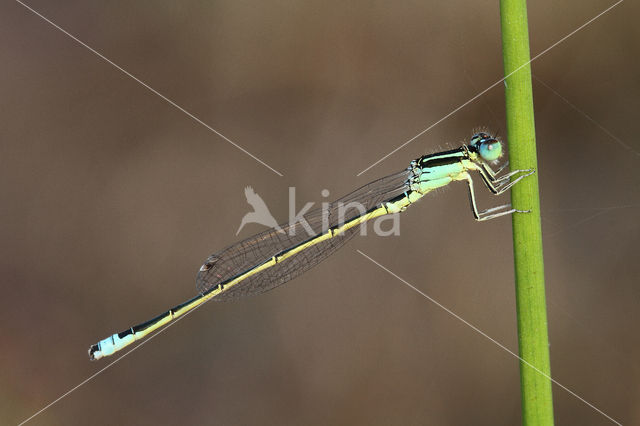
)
(446, 153)
(442, 158)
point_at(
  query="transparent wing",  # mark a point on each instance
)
(253, 251)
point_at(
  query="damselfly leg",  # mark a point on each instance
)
(489, 177)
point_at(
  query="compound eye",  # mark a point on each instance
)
(490, 149)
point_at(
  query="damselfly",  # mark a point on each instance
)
(273, 257)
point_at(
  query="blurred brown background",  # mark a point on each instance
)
(111, 199)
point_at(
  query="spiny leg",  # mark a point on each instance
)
(507, 176)
(505, 185)
(501, 184)
(489, 213)
(501, 168)
(494, 181)
(493, 173)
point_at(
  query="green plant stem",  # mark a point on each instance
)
(533, 342)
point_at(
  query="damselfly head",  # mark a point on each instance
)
(488, 147)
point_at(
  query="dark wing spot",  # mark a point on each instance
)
(208, 264)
